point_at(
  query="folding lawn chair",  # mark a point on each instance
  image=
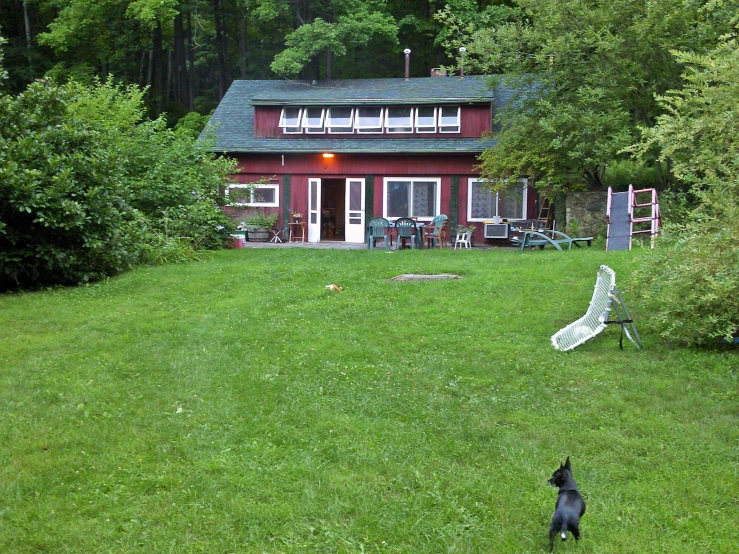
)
(605, 298)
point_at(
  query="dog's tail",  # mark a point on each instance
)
(563, 530)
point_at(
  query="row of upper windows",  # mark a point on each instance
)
(371, 120)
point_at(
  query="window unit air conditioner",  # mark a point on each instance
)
(496, 231)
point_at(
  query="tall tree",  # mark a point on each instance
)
(328, 27)
(588, 72)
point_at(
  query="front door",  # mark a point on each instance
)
(314, 210)
(354, 210)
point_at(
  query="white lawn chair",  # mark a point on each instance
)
(597, 317)
(463, 239)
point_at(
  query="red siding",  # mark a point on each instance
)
(344, 165)
(476, 119)
(267, 122)
(301, 167)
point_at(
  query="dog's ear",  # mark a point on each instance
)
(567, 465)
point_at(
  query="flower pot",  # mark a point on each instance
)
(259, 234)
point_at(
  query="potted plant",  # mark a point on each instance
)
(258, 224)
(297, 216)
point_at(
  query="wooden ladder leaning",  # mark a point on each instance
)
(546, 214)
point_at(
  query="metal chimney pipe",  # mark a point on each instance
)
(407, 53)
(462, 50)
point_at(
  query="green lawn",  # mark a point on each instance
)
(235, 405)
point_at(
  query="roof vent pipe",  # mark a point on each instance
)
(407, 53)
(462, 50)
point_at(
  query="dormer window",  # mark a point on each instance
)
(369, 120)
(399, 120)
(313, 120)
(426, 119)
(340, 120)
(290, 120)
(316, 120)
(449, 119)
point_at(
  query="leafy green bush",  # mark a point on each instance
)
(261, 220)
(622, 173)
(62, 200)
(690, 284)
(88, 187)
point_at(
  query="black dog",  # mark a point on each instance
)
(569, 507)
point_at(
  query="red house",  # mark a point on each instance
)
(342, 152)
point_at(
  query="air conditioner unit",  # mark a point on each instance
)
(496, 231)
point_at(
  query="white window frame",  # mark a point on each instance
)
(425, 128)
(292, 129)
(364, 129)
(275, 187)
(314, 129)
(395, 129)
(474, 180)
(449, 128)
(339, 129)
(437, 207)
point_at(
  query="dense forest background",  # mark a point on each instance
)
(188, 52)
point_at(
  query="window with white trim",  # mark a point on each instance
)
(412, 197)
(259, 194)
(449, 117)
(399, 119)
(369, 119)
(313, 120)
(425, 119)
(340, 119)
(290, 120)
(484, 203)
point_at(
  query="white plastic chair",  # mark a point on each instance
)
(463, 239)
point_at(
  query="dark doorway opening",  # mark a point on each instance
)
(333, 195)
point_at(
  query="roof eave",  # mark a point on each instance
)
(237, 150)
(368, 101)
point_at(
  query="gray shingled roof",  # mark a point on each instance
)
(233, 119)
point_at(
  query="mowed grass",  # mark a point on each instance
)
(236, 405)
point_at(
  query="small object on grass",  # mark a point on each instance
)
(337, 288)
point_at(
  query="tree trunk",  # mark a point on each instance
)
(329, 64)
(149, 72)
(181, 77)
(220, 48)
(140, 80)
(242, 41)
(190, 58)
(27, 23)
(168, 87)
(157, 81)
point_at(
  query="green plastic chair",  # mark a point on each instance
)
(434, 231)
(377, 229)
(406, 231)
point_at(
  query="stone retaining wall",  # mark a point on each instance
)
(586, 213)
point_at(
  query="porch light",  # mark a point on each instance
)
(328, 155)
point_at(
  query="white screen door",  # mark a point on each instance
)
(314, 210)
(354, 210)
